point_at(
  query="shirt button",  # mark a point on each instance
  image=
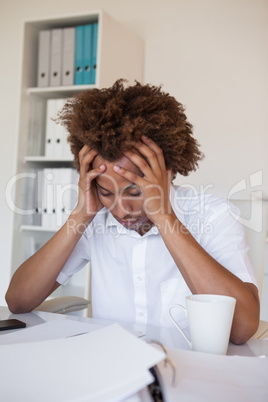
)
(139, 278)
(141, 314)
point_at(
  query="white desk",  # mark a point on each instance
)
(170, 337)
(200, 377)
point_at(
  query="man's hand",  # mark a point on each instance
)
(155, 183)
(88, 203)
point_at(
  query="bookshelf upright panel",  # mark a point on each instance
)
(119, 55)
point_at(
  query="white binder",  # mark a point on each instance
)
(48, 189)
(67, 194)
(67, 154)
(56, 57)
(66, 148)
(60, 132)
(68, 56)
(43, 68)
(59, 195)
(56, 145)
(50, 128)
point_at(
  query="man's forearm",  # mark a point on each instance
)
(36, 278)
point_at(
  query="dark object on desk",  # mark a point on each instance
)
(155, 388)
(11, 324)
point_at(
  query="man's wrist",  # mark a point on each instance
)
(168, 223)
(78, 223)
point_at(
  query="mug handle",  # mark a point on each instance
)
(175, 323)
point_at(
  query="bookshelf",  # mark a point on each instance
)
(119, 55)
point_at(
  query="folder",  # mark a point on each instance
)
(68, 54)
(29, 197)
(33, 198)
(48, 197)
(88, 48)
(43, 67)
(60, 133)
(36, 131)
(93, 69)
(56, 57)
(66, 193)
(38, 198)
(66, 149)
(50, 128)
(79, 54)
(59, 195)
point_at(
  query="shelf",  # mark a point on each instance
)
(66, 20)
(61, 91)
(35, 228)
(39, 159)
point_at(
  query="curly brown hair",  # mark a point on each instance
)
(111, 120)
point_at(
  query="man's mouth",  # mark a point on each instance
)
(132, 222)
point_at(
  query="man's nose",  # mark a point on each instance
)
(122, 208)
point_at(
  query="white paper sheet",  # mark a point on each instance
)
(206, 377)
(55, 329)
(105, 365)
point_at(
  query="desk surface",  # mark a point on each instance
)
(170, 337)
(200, 376)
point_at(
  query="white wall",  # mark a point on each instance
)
(212, 55)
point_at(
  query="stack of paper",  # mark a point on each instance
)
(109, 364)
(206, 377)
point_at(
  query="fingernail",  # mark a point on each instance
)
(117, 168)
(102, 167)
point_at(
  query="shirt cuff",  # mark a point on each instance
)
(62, 279)
(246, 278)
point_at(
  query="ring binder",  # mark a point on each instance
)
(156, 388)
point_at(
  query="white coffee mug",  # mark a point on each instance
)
(210, 320)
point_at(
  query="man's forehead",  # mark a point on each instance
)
(123, 162)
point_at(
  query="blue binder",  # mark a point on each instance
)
(94, 53)
(79, 55)
(88, 29)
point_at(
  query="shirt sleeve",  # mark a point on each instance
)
(77, 260)
(224, 240)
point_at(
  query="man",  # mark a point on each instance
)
(150, 243)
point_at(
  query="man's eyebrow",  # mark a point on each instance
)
(101, 186)
(124, 189)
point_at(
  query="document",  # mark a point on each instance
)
(56, 329)
(108, 364)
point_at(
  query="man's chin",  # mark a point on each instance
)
(133, 223)
(141, 226)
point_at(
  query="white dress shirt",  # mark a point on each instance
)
(135, 279)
